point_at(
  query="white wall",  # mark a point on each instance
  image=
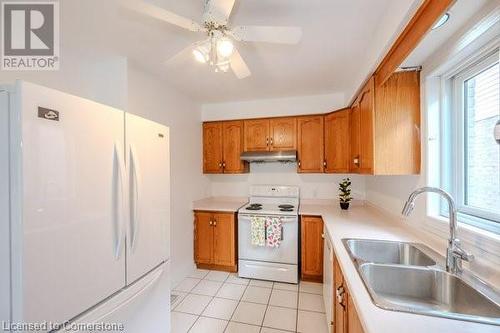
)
(152, 98)
(102, 78)
(312, 186)
(290, 106)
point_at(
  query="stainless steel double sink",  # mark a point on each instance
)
(409, 277)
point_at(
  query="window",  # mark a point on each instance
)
(471, 165)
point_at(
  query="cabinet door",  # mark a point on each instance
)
(366, 111)
(339, 303)
(283, 133)
(212, 147)
(353, 322)
(203, 237)
(224, 240)
(257, 135)
(337, 136)
(312, 248)
(310, 144)
(355, 139)
(233, 147)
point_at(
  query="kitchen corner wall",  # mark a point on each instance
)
(312, 186)
(150, 97)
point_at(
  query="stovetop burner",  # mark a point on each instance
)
(286, 209)
(253, 207)
(286, 206)
(256, 205)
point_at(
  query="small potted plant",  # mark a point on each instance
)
(345, 193)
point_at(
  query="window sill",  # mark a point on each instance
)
(482, 239)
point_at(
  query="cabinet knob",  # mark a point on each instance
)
(324, 163)
(224, 165)
(220, 164)
(210, 223)
(356, 161)
(271, 141)
(215, 223)
(298, 163)
(267, 141)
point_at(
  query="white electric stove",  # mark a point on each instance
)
(270, 263)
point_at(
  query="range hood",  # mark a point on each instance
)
(269, 156)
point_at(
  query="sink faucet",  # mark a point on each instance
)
(455, 253)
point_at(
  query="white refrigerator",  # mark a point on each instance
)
(84, 214)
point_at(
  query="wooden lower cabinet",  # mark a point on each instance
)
(353, 322)
(311, 235)
(345, 316)
(215, 240)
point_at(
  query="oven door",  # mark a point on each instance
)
(286, 253)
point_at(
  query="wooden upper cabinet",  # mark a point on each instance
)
(366, 111)
(233, 147)
(385, 126)
(355, 138)
(310, 144)
(256, 135)
(212, 147)
(222, 147)
(311, 228)
(337, 134)
(397, 125)
(283, 133)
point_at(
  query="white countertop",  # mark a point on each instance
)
(368, 222)
(220, 204)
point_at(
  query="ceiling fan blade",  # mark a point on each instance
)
(268, 34)
(239, 66)
(162, 14)
(218, 11)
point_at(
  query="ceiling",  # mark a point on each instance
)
(337, 35)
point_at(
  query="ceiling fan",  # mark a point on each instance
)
(218, 49)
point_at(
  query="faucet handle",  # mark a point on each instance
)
(459, 252)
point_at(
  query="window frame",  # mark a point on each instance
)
(453, 140)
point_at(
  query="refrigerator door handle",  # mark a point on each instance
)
(118, 199)
(135, 184)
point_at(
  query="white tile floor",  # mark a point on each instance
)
(217, 302)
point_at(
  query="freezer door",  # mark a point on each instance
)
(147, 159)
(141, 307)
(68, 198)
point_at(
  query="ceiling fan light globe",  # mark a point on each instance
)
(199, 56)
(225, 48)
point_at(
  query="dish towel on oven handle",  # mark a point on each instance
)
(258, 230)
(274, 231)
